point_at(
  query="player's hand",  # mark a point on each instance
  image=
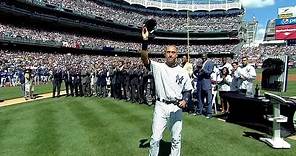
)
(182, 104)
(145, 33)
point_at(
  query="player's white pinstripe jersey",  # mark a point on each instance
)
(170, 82)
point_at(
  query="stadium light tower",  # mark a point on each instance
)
(188, 35)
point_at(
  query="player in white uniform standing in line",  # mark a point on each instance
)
(173, 88)
(247, 76)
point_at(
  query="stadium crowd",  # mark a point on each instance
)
(84, 75)
(79, 41)
(90, 75)
(103, 76)
(269, 50)
(165, 22)
(262, 52)
(66, 39)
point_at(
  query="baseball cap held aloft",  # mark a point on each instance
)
(150, 25)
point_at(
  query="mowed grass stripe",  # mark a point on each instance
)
(215, 138)
(134, 123)
(226, 139)
(77, 140)
(131, 114)
(101, 121)
(102, 136)
(46, 138)
(99, 138)
(92, 126)
(20, 129)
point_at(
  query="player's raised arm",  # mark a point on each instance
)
(144, 52)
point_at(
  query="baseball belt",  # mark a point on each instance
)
(175, 102)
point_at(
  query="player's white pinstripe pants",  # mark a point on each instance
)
(166, 115)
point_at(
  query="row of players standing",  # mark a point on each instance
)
(135, 83)
(122, 81)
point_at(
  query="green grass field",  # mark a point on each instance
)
(290, 71)
(15, 92)
(91, 127)
(291, 90)
(291, 86)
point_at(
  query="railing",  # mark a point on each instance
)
(190, 7)
(22, 40)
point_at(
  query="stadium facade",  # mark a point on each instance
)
(218, 25)
(270, 31)
(191, 5)
(282, 29)
(251, 31)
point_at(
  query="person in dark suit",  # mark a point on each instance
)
(86, 85)
(56, 82)
(140, 89)
(134, 85)
(72, 78)
(79, 78)
(125, 82)
(84, 81)
(206, 86)
(129, 79)
(197, 92)
(77, 83)
(68, 82)
(102, 82)
(151, 84)
(119, 81)
(145, 86)
(113, 73)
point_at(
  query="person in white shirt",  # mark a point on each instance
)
(226, 64)
(187, 66)
(247, 76)
(214, 78)
(224, 80)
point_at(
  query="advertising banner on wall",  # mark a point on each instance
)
(287, 12)
(287, 21)
(285, 32)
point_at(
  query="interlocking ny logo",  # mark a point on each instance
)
(179, 79)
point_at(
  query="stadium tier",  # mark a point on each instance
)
(175, 21)
(78, 41)
(93, 58)
(192, 5)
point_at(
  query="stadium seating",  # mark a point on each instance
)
(165, 22)
(79, 41)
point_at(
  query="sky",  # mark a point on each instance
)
(264, 10)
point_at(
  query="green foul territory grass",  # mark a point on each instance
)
(291, 86)
(15, 92)
(290, 71)
(291, 90)
(79, 126)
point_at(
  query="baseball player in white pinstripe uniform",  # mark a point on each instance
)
(173, 88)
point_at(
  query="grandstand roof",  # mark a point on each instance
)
(192, 5)
(197, 1)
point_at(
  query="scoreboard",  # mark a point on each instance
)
(285, 29)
